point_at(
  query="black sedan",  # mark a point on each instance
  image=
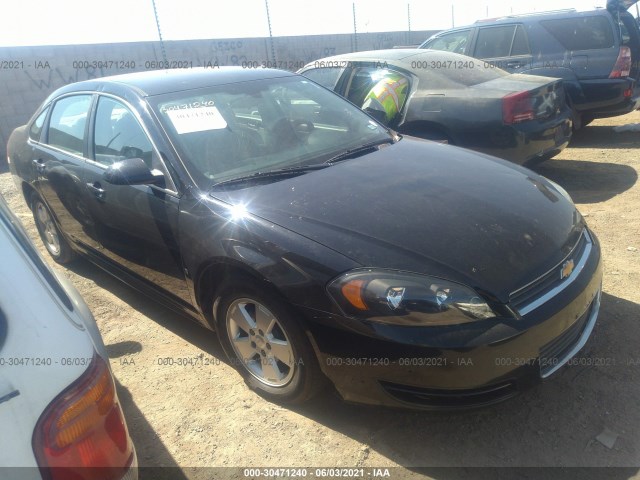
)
(455, 99)
(318, 243)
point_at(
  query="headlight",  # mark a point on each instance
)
(560, 190)
(407, 299)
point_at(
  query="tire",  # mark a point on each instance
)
(267, 345)
(53, 240)
(587, 120)
(576, 119)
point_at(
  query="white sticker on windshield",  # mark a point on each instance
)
(189, 120)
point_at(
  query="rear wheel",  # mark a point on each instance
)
(576, 118)
(267, 345)
(53, 240)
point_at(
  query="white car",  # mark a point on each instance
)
(59, 412)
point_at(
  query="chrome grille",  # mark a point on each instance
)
(536, 293)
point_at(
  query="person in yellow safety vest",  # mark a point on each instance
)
(388, 96)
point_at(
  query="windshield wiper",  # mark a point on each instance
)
(279, 173)
(353, 152)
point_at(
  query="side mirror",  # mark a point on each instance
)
(132, 171)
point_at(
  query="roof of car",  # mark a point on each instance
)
(527, 18)
(402, 57)
(157, 82)
(545, 15)
(531, 17)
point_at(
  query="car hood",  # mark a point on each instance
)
(428, 208)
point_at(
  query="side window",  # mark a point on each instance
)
(379, 92)
(68, 122)
(494, 42)
(520, 44)
(326, 76)
(582, 33)
(455, 42)
(36, 128)
(118, 135)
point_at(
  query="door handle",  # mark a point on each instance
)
(97, 190)
(40, 166)
(515, 64)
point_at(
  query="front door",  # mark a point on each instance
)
(136, 225)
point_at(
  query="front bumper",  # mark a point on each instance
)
(459, 367)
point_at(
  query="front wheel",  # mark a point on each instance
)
(53, 240)
(267, 345)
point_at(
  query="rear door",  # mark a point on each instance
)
(58, 160)
(588, 41)
(504, 46)
(136, 226)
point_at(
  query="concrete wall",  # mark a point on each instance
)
(29, 74)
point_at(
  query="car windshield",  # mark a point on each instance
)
(235, 130)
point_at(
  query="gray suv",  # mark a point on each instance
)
(596, 53)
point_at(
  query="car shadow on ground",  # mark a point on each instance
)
(605, 137)
(177, 323)
(148, 445)
(150, 448)
(589, 182)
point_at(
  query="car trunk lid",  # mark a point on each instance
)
(526, 97)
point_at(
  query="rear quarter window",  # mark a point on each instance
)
(582, 33)
(36, 128)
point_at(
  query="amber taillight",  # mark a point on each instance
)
(622, 68)
(82, 434)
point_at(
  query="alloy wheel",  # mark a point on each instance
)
(49, 230)
(260, 342)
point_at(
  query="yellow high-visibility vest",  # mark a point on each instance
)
(390, 94)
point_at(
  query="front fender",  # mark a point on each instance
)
(214, 239)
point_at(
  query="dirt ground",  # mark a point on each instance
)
(204, 416)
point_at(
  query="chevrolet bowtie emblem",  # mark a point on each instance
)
(567, 269)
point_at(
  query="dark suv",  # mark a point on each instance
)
(596, 53)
